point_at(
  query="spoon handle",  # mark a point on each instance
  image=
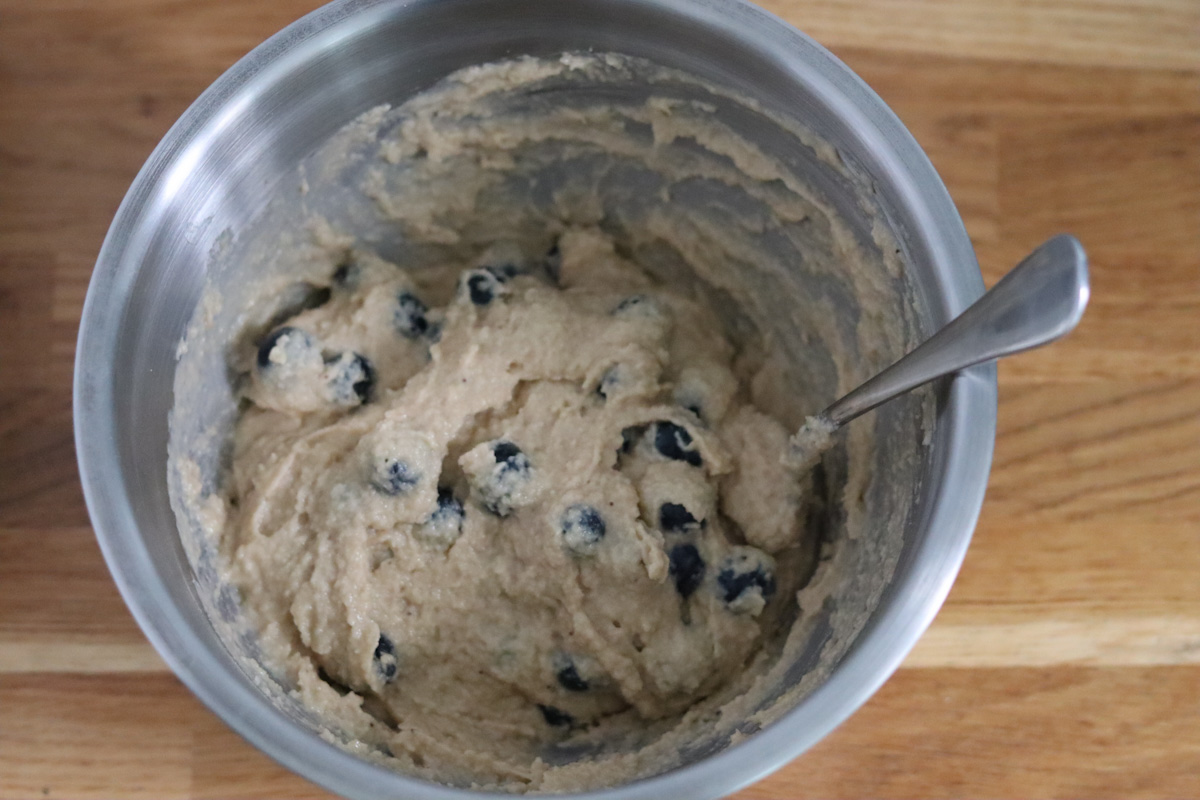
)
(1040, 300)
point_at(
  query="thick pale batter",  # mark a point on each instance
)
(507, 509)
(506, 504)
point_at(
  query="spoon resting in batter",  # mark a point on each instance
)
(1041, 300)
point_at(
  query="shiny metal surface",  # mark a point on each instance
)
(218, 165)
(1040, 301)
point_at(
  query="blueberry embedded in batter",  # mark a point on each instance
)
(350, 379)
(674, 442)
(498, 486)
(746, 580)
(282, 346)
(675, 518)
(687, 568)
(582, 527)
(411, 317)
(567, 674)
(444, 525)
(391, 476)
(384, 656)
(481, 286)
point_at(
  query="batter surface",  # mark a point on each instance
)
(507, 503)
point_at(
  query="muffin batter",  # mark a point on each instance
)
(507, 509)
(476, 450)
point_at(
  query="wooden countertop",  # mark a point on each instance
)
(1067, 660)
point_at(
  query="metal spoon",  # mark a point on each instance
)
(1042, 299)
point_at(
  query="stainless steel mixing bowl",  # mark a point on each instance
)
(218, 165)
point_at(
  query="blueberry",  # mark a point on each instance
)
(674, 442)
(410, 317)
(733, 583)
(393, 477)
(674, 518)
(386, 662)
(509, 454)
(687, 568)
(449, 508)
(582, 528)
(630, 437)
(567, 674)
(273, 338)
(481, 286)
(444, 525)
(746, 575)
(512, 470)
(351, 379)
(482, 291)
(556, 717)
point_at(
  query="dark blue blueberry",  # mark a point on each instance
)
(556, 717)
(743, 573)
(444, 525)
(497, 488)
(385, 658)
(568, 675)
(352, 379)
(733, 584)
(509, 454)
(687, 568)
(268, 344)
(674, 518)
(630, 437)
(582, 528)
(393, 477)
(449, 508)
(482, 286)
(410, 316)
(674, 442)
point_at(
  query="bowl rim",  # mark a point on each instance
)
(968, 422)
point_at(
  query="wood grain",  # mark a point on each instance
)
(1066, 661)
(1137, 34)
